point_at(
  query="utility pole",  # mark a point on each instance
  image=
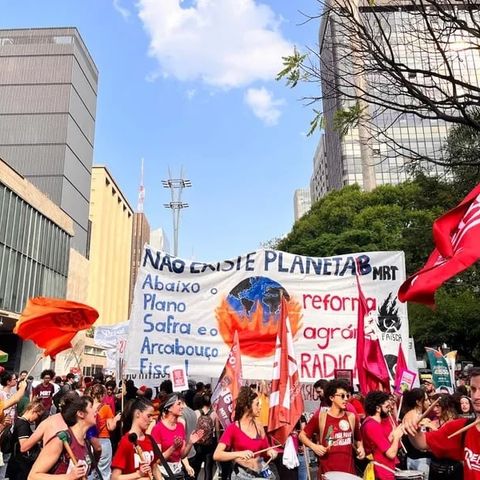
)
(176, 186)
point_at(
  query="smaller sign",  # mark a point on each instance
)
(406, 381)
(178, 376)
(344, 374)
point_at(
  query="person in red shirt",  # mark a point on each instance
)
(463, 447)
(127, 463)
(337, 431)
(376, 439)
(44, 391)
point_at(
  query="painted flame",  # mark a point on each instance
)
(257, 337)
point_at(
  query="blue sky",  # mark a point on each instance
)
(191, 84)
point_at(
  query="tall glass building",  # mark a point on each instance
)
(34, 252)
(394, 138)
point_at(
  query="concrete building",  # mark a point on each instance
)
(110, 249)
(48, 96)
(140, 236)
(301, 202)
(34, 255)
(338, 159)
(159, 240)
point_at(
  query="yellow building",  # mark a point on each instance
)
(110, 249)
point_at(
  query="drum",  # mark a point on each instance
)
(409, 475)
(340, 476)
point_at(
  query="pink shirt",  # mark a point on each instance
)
(165, 438)
(236, 440)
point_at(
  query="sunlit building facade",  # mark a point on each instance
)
(338, 160)
(110, 249)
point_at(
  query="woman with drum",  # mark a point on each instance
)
(243, 438)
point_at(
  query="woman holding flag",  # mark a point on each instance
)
(244, 439)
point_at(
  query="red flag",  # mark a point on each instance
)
(52, 323)
(228, 386)
(400, 368)
(286, 402)
(372, 370)
(457, 240)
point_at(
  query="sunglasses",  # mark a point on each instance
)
(342, 395)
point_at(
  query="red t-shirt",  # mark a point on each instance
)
(339, 435)
(312, 427)
(45, 394)
(237, 440)
(165, 438)
(375, 440)
(126, 458)
(463, 447)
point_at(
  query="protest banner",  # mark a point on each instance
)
(186, 312)
(440, 371)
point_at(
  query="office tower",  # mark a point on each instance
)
(159, 240)
(301, 202)
(393, 138)
(110, 249)
(140, 237)
(48, 96)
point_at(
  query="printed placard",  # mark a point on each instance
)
(178, 376)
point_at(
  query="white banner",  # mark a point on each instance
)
(187, 311)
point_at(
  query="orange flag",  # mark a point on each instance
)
(52, 323)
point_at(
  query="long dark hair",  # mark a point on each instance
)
(245, 399)
(140, 404)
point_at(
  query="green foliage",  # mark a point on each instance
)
(454, 320)
(389, 218)
(347, 118)
(397, 217)
(462, 154)
(293, 67)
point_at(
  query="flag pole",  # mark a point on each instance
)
(40, 356)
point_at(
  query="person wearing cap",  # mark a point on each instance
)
(170, 434)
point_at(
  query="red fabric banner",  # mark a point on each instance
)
(228, 386)
(51, 323)
(286, 401)
(372, 370)
(457, 240)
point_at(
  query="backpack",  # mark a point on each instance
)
(205, 423)
(7, 440)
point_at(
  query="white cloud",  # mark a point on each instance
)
(125, 13)
(224, 43)
(261, 101)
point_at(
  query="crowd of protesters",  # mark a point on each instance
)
(96, 429)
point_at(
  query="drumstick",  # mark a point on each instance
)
(428, 410)
(465, 428)
(395, 425)
(265, 449)
(64, 437)
(132, 437)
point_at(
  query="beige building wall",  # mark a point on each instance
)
(110, 249)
